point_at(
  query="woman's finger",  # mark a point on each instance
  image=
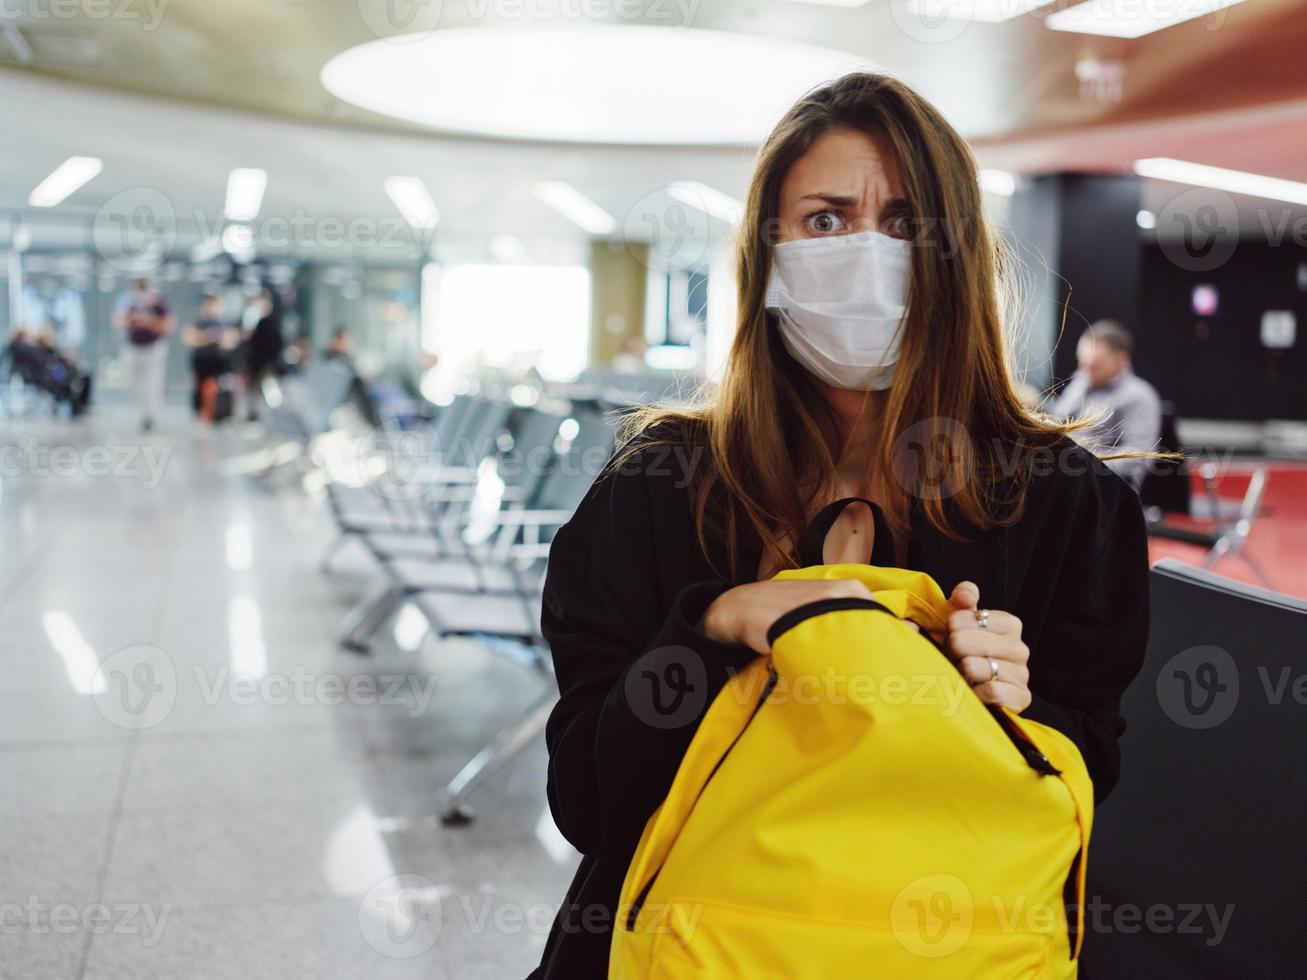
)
(977, 671)
(965, 595)
(998, 622)
(980, 643)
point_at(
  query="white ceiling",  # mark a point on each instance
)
(175, 156)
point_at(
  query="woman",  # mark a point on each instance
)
(869, 363)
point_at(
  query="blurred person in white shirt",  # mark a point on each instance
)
(1105, 385)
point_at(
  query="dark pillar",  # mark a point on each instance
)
(1078, 238)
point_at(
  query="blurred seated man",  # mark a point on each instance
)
(630, 359)
(57, 372)
(1105, 385)
(340, 350)
(24, 356)
(340, 347)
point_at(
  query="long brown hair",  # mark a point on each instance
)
(771, 437)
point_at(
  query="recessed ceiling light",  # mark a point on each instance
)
(1234, 181)
(587, 83)
(66, 178)
(986, 11)
(707, 199)
(508, 249)
(575, 207)
(998, 182)
(411, 197)
(245, 186)
(1129, 18)
(1146, 220)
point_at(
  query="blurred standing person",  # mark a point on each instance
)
(297, 356)
(209, 340)
(263, 345)
(1105, 384)
(147, 319)
(630, 359)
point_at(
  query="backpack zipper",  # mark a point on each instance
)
(640, 899)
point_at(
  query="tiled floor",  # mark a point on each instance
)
(220, 827)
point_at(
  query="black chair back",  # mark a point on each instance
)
(1167, 486)
(1196, 862)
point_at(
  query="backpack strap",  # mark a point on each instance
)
(814, 541)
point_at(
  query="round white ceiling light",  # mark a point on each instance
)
(586, 83)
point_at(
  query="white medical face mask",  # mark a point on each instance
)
(839, 301)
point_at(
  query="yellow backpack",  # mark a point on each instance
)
(850, 808)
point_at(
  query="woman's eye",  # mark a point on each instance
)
(825, 222)
(899, 226)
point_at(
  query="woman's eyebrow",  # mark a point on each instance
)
(837, 200)
(848, 201)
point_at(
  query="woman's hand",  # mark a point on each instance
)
(978, 652)
(745, 613)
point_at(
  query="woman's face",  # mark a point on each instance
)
(848, 181)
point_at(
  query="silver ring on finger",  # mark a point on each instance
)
(993, 669)
(982, 618)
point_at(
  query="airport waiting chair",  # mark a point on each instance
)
(300, 407)
(1191, 867)
(515, 537)
(298, 412)
(432, 518)
(1226, 523)
(495, 617)
(411, 473)
(394, 465)
(441, 557)
(522, 456)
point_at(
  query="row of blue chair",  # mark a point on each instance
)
(458, 517)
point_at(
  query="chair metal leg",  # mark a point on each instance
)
(332, 550)
(366, 618)
(503, 747)
(1258, 569)
(1219, 551)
